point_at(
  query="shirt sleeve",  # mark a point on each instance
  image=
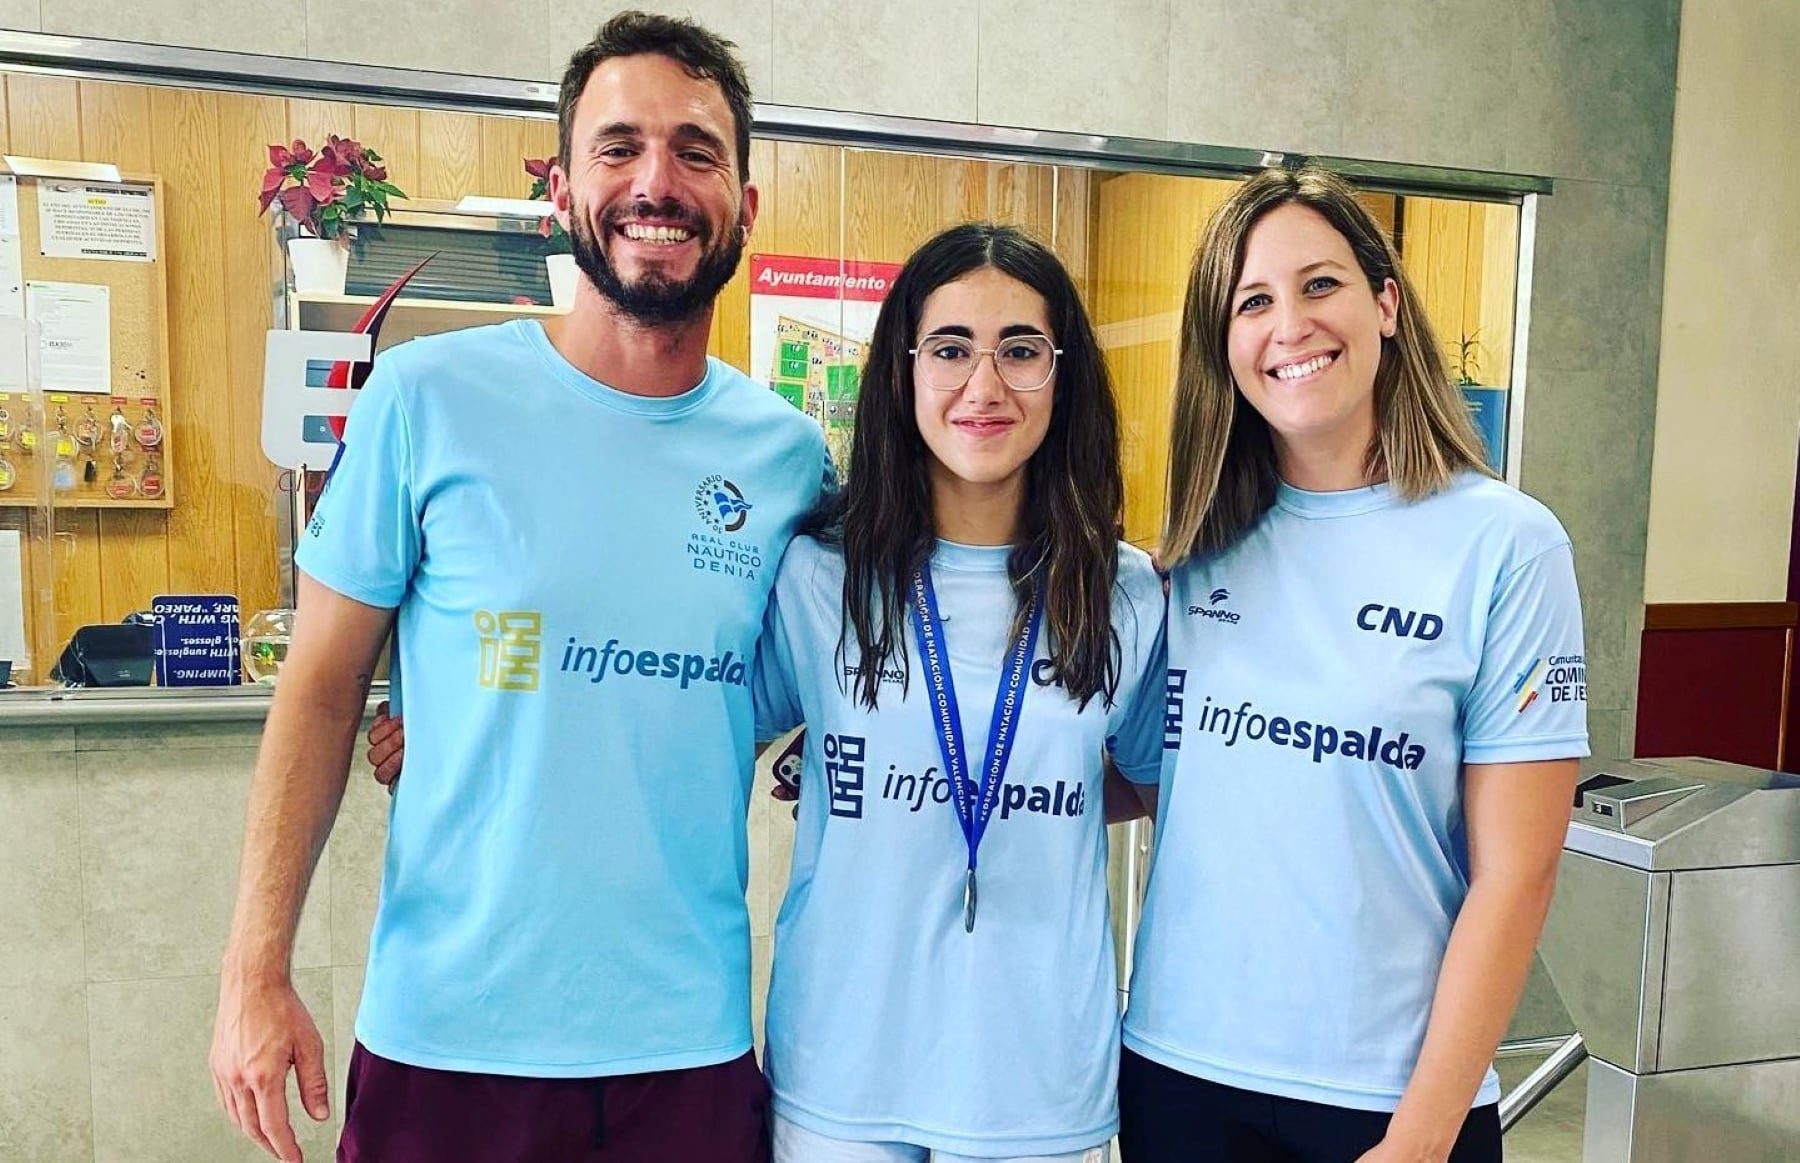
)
(1137, 742)
(774, 691)
(1529, 699)
(364, 537)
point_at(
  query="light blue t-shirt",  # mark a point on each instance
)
(581, 575)
(886, 1020)
(1329, 675)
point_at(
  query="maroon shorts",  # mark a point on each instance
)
(394, 1113)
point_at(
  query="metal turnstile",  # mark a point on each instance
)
(1674, 940)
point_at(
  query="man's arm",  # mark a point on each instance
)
(301, 768)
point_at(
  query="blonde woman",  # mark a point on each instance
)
(1374, 717)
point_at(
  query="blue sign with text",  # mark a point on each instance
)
(1488, 406)
(196, 640)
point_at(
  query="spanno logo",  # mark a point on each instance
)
(511, 649)
(1214, 611)
(721, 505)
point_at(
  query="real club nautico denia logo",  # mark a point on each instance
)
(512, 649)
(721, 505)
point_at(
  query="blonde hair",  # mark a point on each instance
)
(1222, 469)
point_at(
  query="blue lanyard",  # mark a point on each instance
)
(974, 804)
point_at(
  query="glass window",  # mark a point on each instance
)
(190, 506)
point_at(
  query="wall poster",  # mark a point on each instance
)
(810, 322)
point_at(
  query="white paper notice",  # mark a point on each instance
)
(12, 265)
(96, 220)
(75, 328)
(12, 598)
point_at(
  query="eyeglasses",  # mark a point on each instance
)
(1025, 363)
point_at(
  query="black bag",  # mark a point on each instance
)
(108, 655)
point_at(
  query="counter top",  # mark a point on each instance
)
(52, 706)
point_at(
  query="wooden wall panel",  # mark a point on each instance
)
(449, 155)
(185, 128)
(1463, 260)
(505, 143)
(254, 273)
(730, 337)
(1146, 227)
(132, 545)
(809, 186)
(315, 121)
(1499, 276)
(392, 132)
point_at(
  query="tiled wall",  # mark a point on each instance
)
(118, 867)
(118, 857)
(119, 851)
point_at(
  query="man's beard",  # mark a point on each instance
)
(655, 298)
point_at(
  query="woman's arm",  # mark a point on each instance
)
(1517, 815)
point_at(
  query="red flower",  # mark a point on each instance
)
(298, 203)
(294, 155)
(538, 167)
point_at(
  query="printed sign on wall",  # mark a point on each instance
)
(810, 322)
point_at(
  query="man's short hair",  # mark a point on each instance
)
(705, 55)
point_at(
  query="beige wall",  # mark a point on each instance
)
(1728, 404)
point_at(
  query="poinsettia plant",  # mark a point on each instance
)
(548, 226)
(327, 192)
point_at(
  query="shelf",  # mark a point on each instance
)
(456, 306)
(407, 318)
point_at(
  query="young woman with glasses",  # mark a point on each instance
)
(962, 633)
(965, 639)
(1376, 702)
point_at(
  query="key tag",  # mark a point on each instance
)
(120, 487)
(150, 432)
(64, 476)
(62, 443)
(5, 425)
(8, 475)
(120, 437)
(87, 431)
(27, 437)
(151, 483)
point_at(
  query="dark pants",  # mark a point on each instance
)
(394, 1113)
(1166, 1116)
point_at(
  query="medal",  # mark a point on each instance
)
(974, 803)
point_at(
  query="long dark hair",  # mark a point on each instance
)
(1068, 525)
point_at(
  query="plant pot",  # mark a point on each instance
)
(564, 277)
(319, 265)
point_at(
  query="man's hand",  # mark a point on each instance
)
(387, 747)
(261, 1032)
